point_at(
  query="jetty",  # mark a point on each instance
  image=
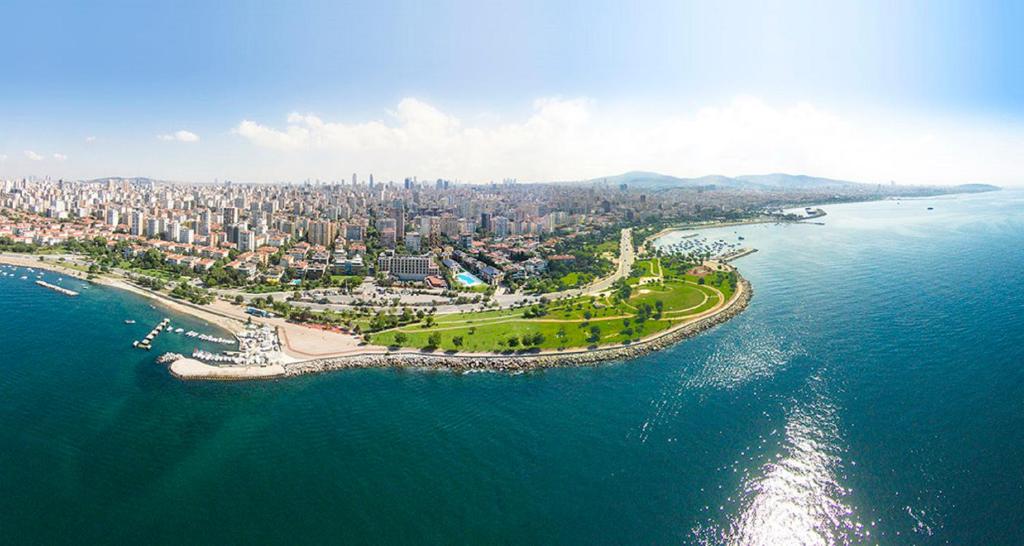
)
(56, 288)
(147, 342)
(737, 254)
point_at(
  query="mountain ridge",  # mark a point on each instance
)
(764, 182)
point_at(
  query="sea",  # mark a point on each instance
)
(872, 393)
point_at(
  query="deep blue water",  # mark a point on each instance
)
(873, 392)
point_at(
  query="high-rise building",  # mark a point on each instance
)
(204, 223)
(137, 224)
(354, 232)
(500, 226)
(321, 232)
(246, 240)
(412, 241)
(398, 213)
(387, 238)
(113, 217)
(153, 227)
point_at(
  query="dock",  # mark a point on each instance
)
(56, 288)
(147, 343)
(737, 254)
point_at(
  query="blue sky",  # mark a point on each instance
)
(534, 90)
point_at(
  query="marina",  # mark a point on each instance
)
(258, 346)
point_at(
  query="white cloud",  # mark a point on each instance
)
(60, 157)
(90, 139)
(180, 136)
(33, 156)
(566, 139)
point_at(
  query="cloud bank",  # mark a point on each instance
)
(568, 139)
(33, 156)
(180, 136)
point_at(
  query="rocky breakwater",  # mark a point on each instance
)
(524, 362)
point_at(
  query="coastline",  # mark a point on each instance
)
(353, 356)
(535, 361)
(231, 324)
(381, 357)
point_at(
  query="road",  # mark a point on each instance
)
(627, 255)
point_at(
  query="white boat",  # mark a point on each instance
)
(129, 321)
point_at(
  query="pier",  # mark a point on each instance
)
(56, 288)
(737, 254)
(147, 343)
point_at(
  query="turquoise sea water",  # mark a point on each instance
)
(872, 393)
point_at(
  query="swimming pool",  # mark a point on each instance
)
(467, 279)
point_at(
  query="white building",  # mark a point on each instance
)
(407, 268)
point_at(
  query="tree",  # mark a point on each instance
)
(595, 333)
(401, 338)
(239, 299)
(513, 342)
(457, 341)
(434, 340)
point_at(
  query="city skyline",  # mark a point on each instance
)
(536, 92)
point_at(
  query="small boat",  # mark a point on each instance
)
(931, 208)
(129, 321)
(179, 330)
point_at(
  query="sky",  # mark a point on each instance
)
(913, 92)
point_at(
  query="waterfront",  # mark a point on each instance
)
(872, 392)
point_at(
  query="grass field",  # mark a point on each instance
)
(572, 323)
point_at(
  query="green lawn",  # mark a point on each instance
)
(568, 323)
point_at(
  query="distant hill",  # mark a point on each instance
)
(129, 179)
(757, 181)
(762, 182)
(797, 182)
(974, 188)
